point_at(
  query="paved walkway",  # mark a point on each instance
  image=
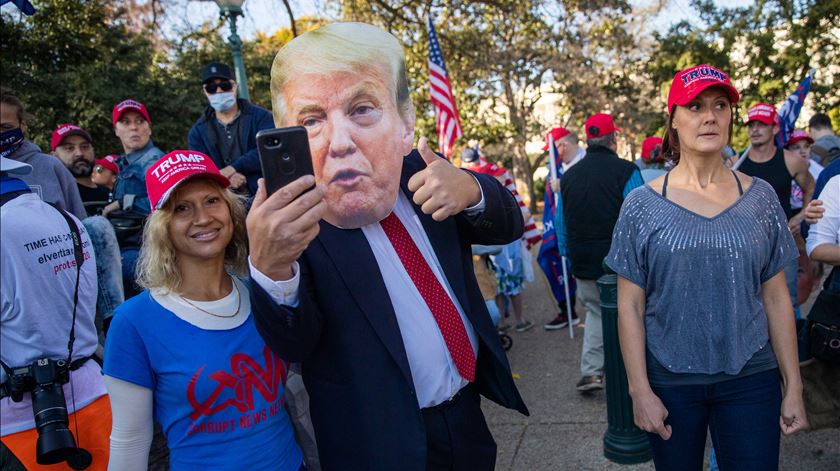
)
(565, 429)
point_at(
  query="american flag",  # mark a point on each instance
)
(447, 121)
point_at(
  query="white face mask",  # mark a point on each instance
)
(222, 101)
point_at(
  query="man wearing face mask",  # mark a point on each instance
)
(227, 130)
(48, 179)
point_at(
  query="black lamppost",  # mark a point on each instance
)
(231, 9)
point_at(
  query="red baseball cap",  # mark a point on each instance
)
(648, 146)
(109, 162)
(65, 130)
(176, 167)
(763, 113)
(690, 82)
(799, 135)
(129, 105)
(557, 133)
(600, 124)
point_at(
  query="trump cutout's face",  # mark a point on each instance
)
(357, 138)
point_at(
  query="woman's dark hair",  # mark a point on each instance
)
(671, 141)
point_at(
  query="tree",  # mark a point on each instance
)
(74, 60)
(504, 55)
(767, 48)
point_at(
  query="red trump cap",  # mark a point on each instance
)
(129, 105)
(109, 162)
(763, 113)
(648, 146)
(176, 167)
(65, 130)
(689, 83)
(557, 134)
(600, 124)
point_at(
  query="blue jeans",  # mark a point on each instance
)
(129, 263)
(742, 415)
(108, 266)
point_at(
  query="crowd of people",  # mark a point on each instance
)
(352, 318)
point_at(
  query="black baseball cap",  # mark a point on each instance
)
(214, 70)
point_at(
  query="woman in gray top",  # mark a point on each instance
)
(705, 322)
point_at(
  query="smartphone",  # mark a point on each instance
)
(284, 156)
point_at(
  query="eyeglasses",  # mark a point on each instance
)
(212, 88)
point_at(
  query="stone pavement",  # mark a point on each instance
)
(566, 429)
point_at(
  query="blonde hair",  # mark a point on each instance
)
(341, 47)
(157, 264)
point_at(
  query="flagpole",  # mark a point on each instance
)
(742, 158)
(552, 166)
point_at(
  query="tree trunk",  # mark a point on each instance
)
(522, 170)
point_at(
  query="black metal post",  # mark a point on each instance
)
(624, 443)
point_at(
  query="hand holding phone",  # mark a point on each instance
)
(281, 225)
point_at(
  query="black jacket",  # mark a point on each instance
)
(203, 138)
(363, 402)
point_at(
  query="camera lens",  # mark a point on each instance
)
(274, 142)
(55, 441)
(286, 158)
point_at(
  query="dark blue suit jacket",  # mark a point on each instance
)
(362, 397)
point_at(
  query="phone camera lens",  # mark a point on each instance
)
(274, 142)
(286, 158)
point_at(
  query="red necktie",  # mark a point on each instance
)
(446, 315)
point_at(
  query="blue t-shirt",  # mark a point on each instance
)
(218, 394)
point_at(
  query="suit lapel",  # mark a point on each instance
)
(361, 274)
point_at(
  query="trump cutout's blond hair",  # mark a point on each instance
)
(341, 47)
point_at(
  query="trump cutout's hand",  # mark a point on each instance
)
(282, 225)
(442, 189)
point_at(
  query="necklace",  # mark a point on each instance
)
(239, 304)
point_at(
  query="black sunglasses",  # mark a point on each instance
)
(212, 88)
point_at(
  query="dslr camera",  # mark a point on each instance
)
(43, 378)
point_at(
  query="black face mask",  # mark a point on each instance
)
(10, 141)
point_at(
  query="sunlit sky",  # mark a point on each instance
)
(268, 15)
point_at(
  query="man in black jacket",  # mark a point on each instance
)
(227, 130)
(592, 193)
(379, 300)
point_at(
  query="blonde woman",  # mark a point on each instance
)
(185, 351)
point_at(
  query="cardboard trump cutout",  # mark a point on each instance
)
(346, 84)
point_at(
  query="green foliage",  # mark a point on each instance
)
(767, 48)
(73, 60)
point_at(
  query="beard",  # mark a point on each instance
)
(81, 168)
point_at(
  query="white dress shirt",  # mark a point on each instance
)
(827, 229)
(435, 376)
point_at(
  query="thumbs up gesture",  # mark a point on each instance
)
(441, 189)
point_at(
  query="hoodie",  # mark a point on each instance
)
(50, 179)
(829, 143)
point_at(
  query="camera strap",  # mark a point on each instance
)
(80, 258)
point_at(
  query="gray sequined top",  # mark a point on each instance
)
(702, 276)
